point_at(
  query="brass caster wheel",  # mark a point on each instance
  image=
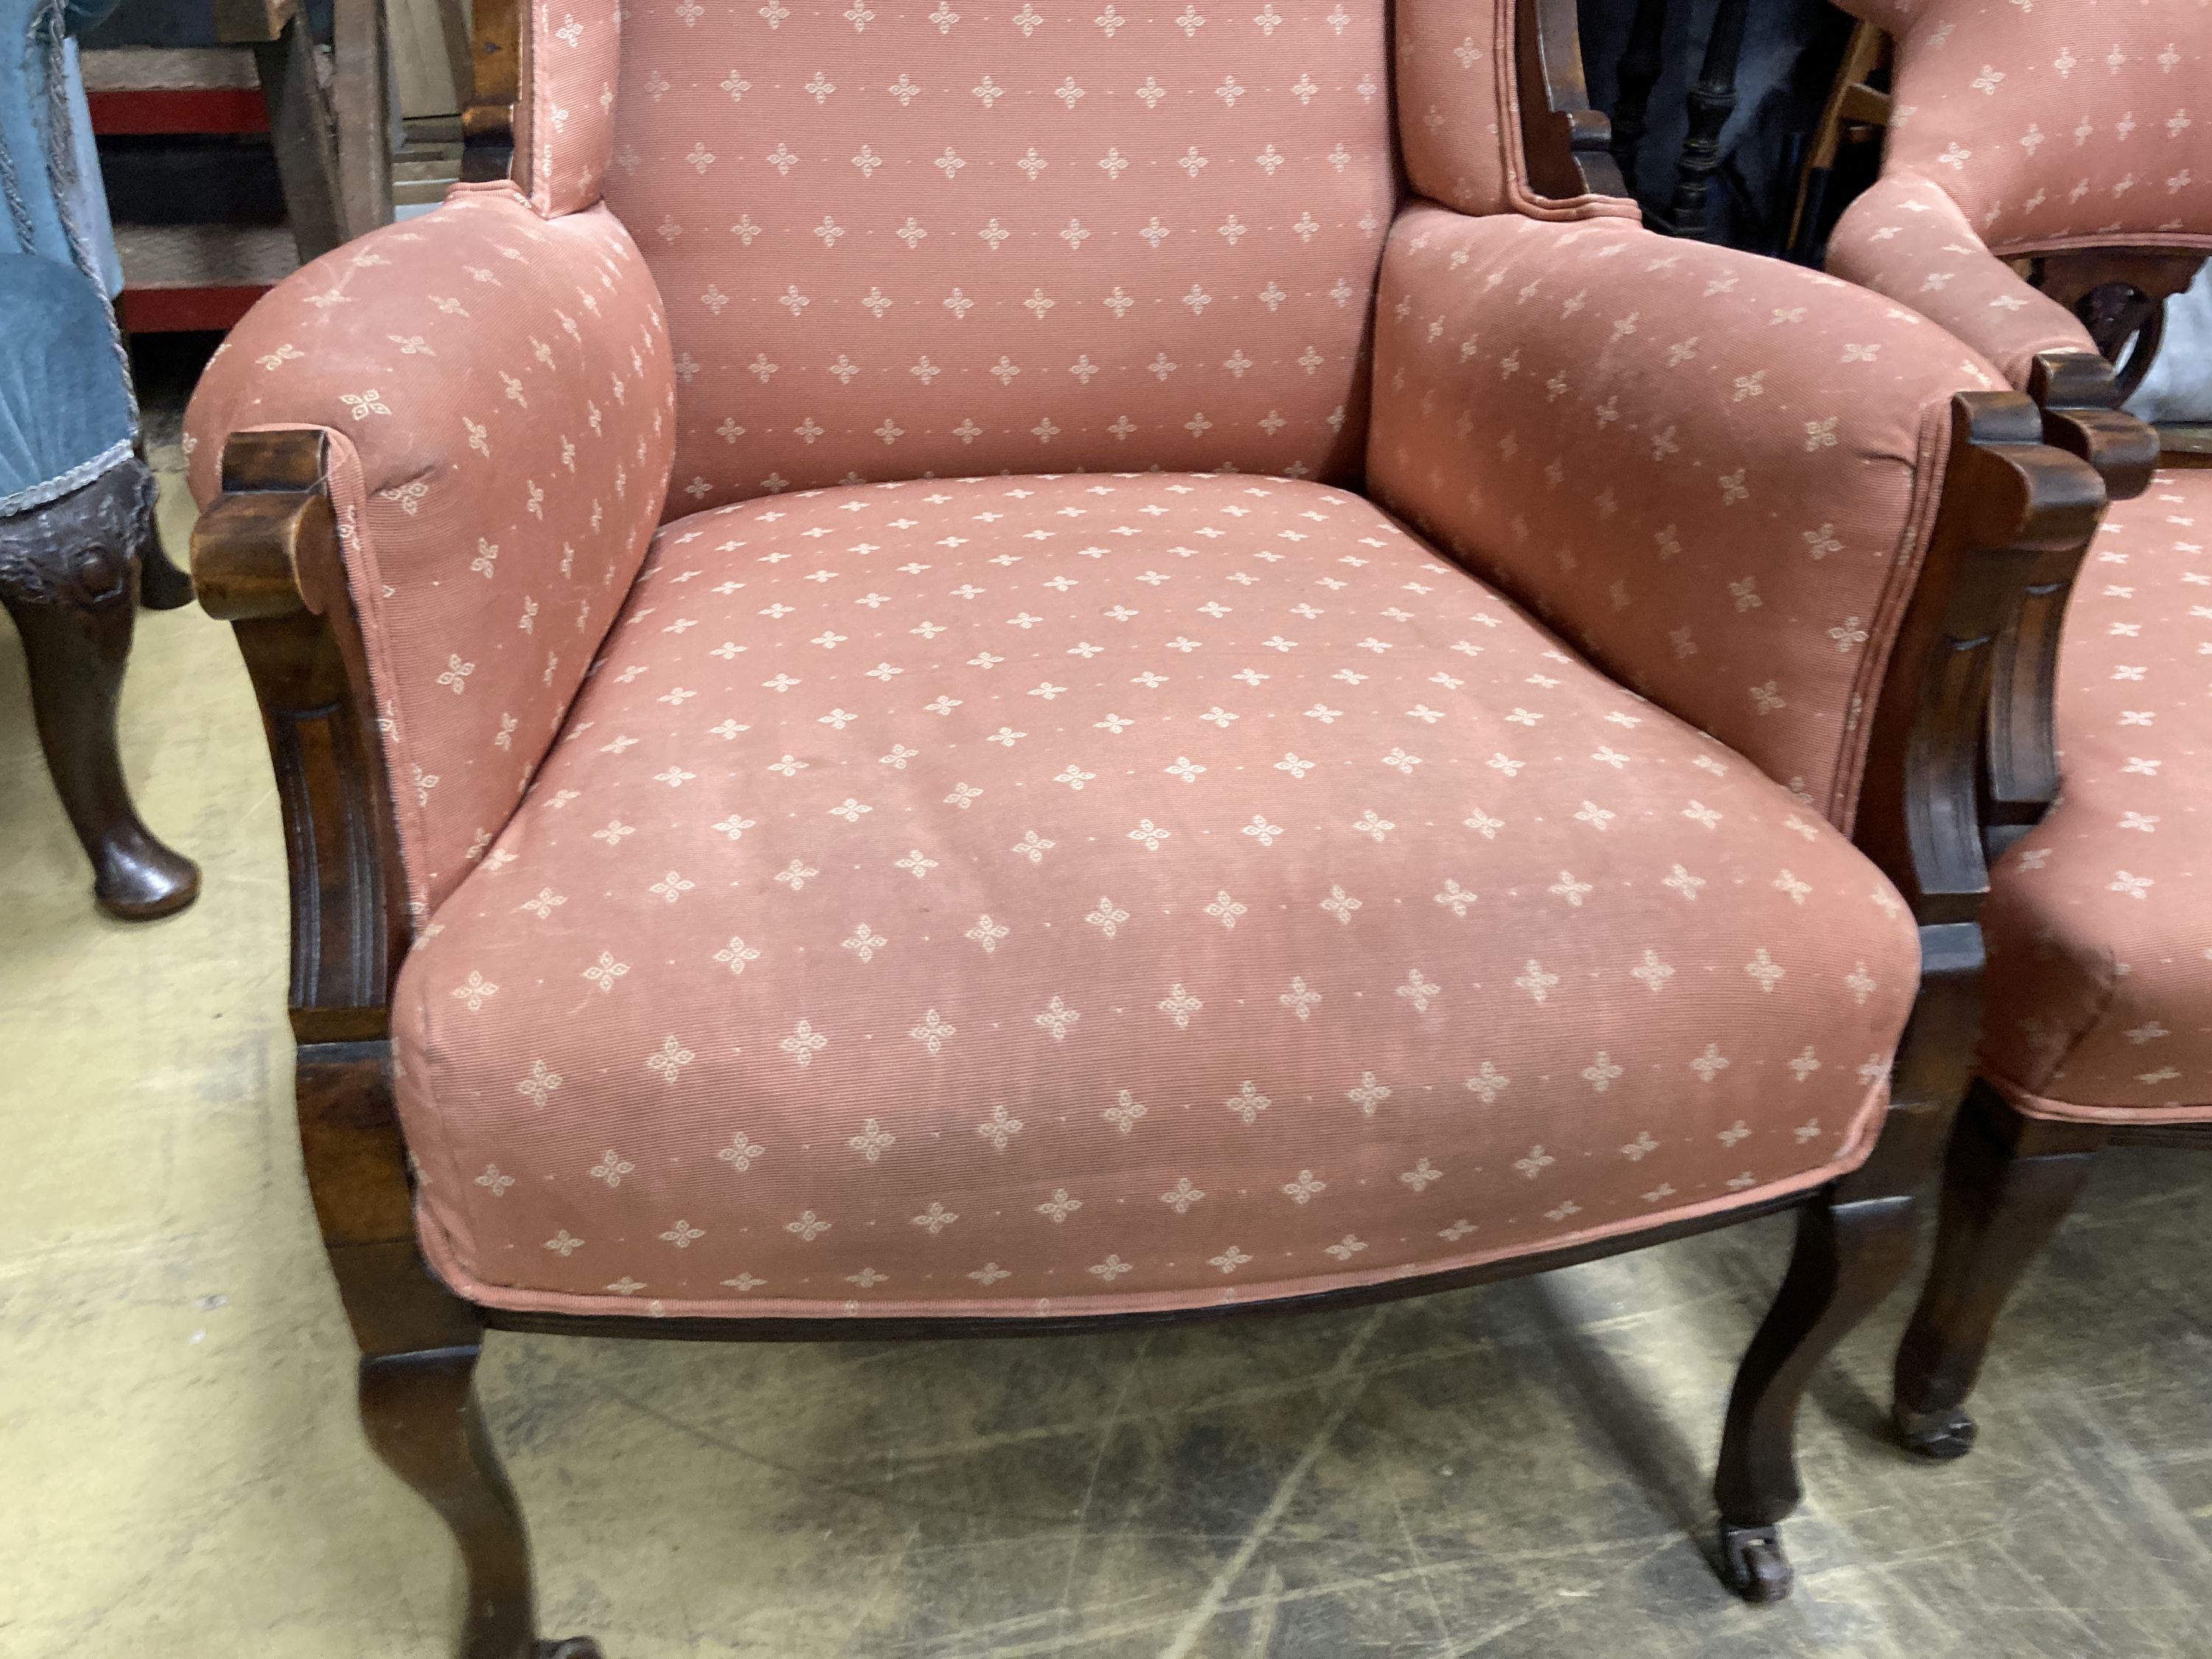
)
(1753, 1564)
(1941, 1435)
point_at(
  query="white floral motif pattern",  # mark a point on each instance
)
(990, 240)
(1642, 570)
(581, 441)
(1007, 698)
(2000, 103)
(2004, 142)
(2096, 997)
(1335, 1131)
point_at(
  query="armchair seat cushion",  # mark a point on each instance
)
(1088, 894)
(2098, 998)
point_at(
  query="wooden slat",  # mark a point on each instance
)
(134, 69)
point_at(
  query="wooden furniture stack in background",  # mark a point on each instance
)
(243, 137)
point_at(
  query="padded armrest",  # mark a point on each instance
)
(499, 394)
(1715, 474)
(1907, 238)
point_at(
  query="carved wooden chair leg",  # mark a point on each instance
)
(2007, 1182)
(69, 573)
(421, 1414)
(1850, 1255)
(418, 1341)
(1854, 1244)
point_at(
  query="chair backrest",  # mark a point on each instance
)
(2067, 124)
(904, 238)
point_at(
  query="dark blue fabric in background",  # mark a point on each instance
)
(1791, 52)
(65, 416)
(65, 408)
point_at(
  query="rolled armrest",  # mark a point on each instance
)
(498, 397)
(1907, 238)
(1715, 475)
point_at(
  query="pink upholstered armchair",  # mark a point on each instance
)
(969, 673)
(2046, 177)
(2047, 183)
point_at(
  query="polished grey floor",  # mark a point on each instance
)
(1519, 1470)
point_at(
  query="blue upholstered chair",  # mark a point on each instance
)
(76, 518)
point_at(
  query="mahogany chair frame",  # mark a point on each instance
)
(2015, 512)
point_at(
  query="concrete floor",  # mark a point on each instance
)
(1520, 1470)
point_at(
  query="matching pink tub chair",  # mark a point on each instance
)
(985, 671)
(2047, 184)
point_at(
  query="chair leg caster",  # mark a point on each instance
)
(1940, 1435)
(570, 1647)
(1753, 1564)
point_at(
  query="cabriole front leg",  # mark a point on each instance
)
(1851, 1253)
(1854, 1245)
(418, 1342)
(421, 1414)
(2007, 1182)
(69, 573)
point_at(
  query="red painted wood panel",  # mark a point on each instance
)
(117, 111)
(183, 310)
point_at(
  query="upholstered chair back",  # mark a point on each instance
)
(2058, 124)
(905, 238)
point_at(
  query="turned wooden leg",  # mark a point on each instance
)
(67, 575)
(1854, 1244)
(2007, 1181)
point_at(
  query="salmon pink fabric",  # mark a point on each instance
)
(2100, 986)
(1058, 895)
(564, 124)
(901, 242)
(1716, 474)
(2062, 124)
(1905, 237)
(498, 390)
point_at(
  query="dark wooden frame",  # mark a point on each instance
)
(267, 558)
(2119, 294)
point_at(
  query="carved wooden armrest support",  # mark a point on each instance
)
(2014, 512)
(265, 558)
(2080, 397)
(2119, 294)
